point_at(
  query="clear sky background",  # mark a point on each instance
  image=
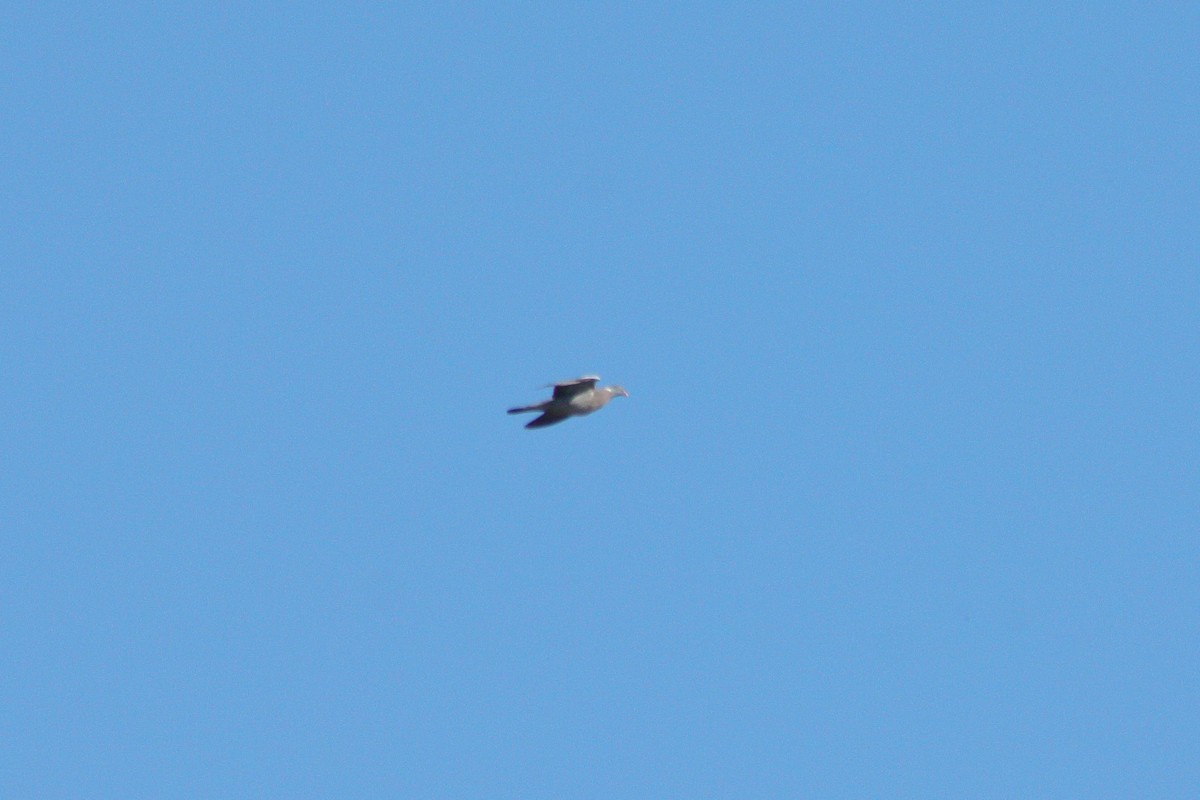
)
(904, 503)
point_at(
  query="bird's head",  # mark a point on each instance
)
(618, 391)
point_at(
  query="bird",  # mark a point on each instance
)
(573, 398)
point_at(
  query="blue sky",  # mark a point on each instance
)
(903, 503)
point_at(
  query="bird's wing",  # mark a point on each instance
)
(567, 389)
(549, 417)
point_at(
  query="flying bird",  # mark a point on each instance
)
(574, 398)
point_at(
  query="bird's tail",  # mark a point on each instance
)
(523, 409)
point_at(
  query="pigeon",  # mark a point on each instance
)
(574, 398)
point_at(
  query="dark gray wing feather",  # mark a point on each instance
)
(567, 389)
(548, 418)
